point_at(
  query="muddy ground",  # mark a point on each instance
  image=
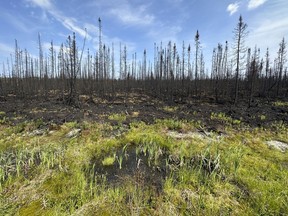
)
(139, 107)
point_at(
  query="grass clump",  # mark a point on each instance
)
(225, 119)
(108, 161)
(3, 118)
(119, 117)
(170, 108)
(170, 124)
(280, 103)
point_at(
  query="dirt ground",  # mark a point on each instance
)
(137, 107)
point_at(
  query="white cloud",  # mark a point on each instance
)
(68, 22)
(269, 34)
(91, 28)
(269, 27)
(47, 47)
(252, 4)
(6, 48)
(132, 16)
(233, 8)
(128, 12)
(175, 1)
(165, 34)
(45, 4)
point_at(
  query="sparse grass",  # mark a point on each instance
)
(236, 174)
(3, 118)
(119, 117)
(280, 103)
(170, 108)
(171, 124)
(135, 114)
(262, 117)
(225, 119)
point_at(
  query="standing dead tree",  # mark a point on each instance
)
(197, 47)
(73, 64)
(240, 32)
(254, 70)
(281, 60)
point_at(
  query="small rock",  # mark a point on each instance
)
(281, 146)
(37, 132)
(188, 135)
(73, 133)
(51, 132)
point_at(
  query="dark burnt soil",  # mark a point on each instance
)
(139, 107)
(140, 167)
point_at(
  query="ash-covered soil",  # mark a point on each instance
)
(137, 107)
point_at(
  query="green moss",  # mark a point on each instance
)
(33, 208)
(108, 161)
(66, 191)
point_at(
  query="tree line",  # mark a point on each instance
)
(237, 72)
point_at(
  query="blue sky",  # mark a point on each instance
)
(139, 24)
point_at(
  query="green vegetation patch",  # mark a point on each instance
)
(108, 161)
(120, 117)
(170, 108)
(225, 119)
(143, 169)
(281, 103)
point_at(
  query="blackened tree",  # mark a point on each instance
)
(281, 60)
(240, 33)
